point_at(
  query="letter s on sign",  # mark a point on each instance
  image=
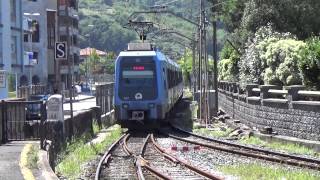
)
(61, 50)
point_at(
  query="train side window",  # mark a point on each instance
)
(164, 79)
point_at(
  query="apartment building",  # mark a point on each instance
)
(68, 20)
(40, 40)
(11, 46)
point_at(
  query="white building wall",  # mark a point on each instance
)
(5, 47)
(40, 69)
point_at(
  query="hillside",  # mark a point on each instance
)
(109, 17)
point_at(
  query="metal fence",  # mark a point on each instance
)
(104, 97)
(26, 91)
(15, 126)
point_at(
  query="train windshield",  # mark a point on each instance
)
(137, 76)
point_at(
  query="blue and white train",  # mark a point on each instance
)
(147, 85)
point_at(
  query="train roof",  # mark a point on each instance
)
(137, 53)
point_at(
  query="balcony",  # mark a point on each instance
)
(73, 13)
(74, 50)
(72, 31)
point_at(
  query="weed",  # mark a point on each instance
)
(256, 171)
(32, 161)
(78, 152)
(288, 147)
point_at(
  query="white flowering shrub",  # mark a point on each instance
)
(282, 58)
(271, 58)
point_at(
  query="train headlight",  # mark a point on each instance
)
(125, 106)
(151, 105)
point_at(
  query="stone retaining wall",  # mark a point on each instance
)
(55, 138)
(300, 121)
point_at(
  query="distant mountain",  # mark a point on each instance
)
(109, 16)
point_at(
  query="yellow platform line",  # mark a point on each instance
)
(26, 172)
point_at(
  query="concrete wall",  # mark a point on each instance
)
(81, 125)
(40, 69)
(301, 120)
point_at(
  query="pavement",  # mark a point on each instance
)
(82, 103)
(9, 160)
(10, 153)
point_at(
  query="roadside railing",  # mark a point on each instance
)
(286, 95)
(26, 91)
(104, 96)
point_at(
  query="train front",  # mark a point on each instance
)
(136, 87)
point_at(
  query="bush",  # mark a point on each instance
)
(228, 66)
(252, 63)
(309, 65)
(224, 70)
(282, 59)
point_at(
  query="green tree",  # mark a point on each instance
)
(309, 65)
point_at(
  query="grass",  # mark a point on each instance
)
(288, 147)
(95, 127)
(79, 152)
(256, 171)
(12, 94)
(213, 133)
(187, 93)
(32, 160)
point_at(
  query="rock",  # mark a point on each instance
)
(227, 117)
(236, 121)
(266, 130)
(220, 112)
(236, 133)
(223, 128)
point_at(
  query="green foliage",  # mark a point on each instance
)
(32, 160)
(185, 63)
(12, 82)
(79, 152)
(299, 17)
(309, 65)
(231, 13)
(255, 171)
(228, 67)
(252, 63)
(109, 17)
(94, 64)
(282, 59)
(287, 147)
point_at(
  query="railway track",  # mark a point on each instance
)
(233, 148)
(143, 156)
(140, 157)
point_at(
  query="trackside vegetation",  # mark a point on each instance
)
(79, 151)
(265, 172)
(287, 147)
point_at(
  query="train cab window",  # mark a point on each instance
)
(137, 75)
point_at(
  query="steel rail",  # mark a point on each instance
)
(105, 158)
(177, 160)
(316, 161)
(141, 162)
(250, 154)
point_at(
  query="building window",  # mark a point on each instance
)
(13, 11)
(14, 49)
(36, 31)
(63, 38)
(35, 57)
(26, 37)
(51, 21)
(1, 62)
